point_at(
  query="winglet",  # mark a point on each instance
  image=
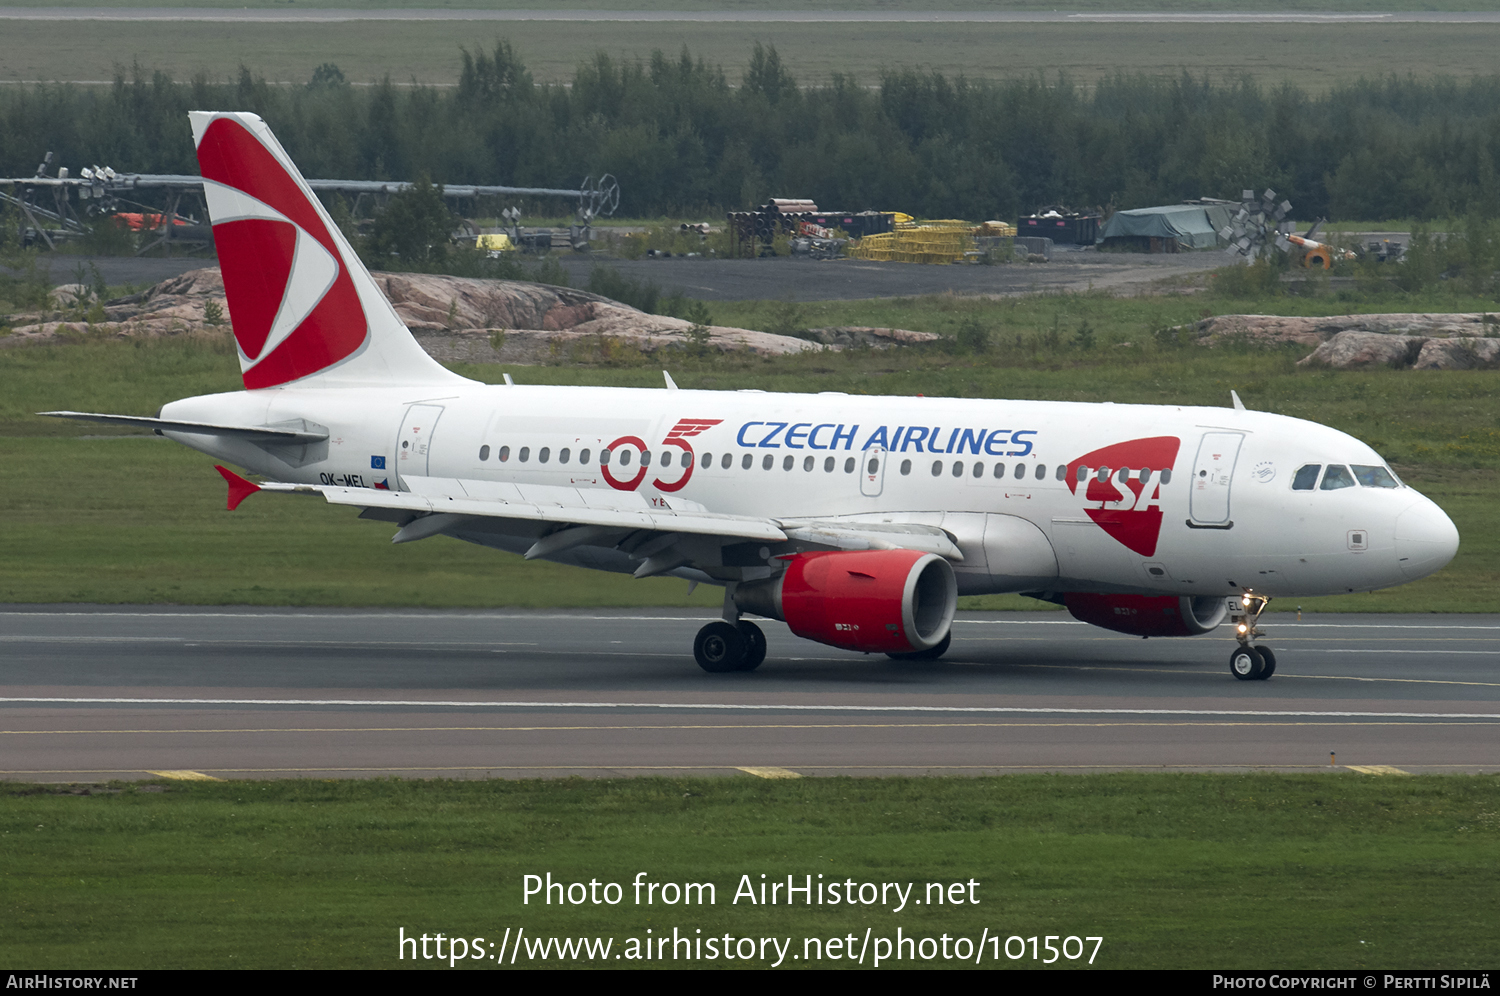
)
(1239, 405)
(239, 488)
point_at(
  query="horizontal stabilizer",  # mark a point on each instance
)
(255, 433)
(239, 488)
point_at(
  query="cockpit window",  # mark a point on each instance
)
(1375, 477)
(1338, 476)
(1307, 477)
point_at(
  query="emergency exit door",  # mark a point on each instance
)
(415, 443)
(1213, 472)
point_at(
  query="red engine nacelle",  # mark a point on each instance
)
(878, 601)
(1149, 615)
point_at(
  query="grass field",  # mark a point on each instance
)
(1173, 871)
(1313, 56)
(1296, 6)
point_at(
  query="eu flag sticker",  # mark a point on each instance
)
(377, 463)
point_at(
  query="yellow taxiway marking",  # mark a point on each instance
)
(1376, 769)
(769, 772)
(725, 767)
(185, 776)
(1335, 721)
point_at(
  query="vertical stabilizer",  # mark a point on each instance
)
(303, 306)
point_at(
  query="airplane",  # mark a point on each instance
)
(858, 521)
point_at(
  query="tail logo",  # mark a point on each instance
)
(1133, 519)
(294, 307)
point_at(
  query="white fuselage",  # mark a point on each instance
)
(1225, 518)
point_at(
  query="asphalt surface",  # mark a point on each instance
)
(783, 278)
(121, 693)
(314, 14)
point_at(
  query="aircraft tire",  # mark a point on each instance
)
(719, 648)
(755, 646)
(1269, 658)
(930, 654)
(1246, 664)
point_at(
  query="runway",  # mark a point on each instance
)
(335, 15)
(92, 694)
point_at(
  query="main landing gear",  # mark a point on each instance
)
(1251, 663)
(722, 646)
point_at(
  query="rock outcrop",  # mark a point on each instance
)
(455, 319)
(1463, 341)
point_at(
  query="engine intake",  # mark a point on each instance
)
(877, 601)
(1149, 615)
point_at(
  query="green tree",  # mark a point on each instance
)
(414, 226)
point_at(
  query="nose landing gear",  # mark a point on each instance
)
(1251, 663)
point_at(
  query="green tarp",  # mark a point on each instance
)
(1194, 226)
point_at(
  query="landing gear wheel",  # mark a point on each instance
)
(719, 648)
(1247, 664)
(1270, 660)
(930, 654)
(755, 646)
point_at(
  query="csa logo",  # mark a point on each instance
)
(294, 306)
(1132, 516)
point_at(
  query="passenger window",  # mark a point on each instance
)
(905, 467)
(1338, 476)
(583, 456)
(1307, 477)
(1375, 477)
(625, 458)
(849, 466)
(807, 463)
(1041, 471)
(958, 468)
(1062, 472)
(978, 469)
(544, 454)
(747, 461)
(828, 465)
(563, 455)
(504, 454)
(484, 453)
(787, 463)
(687, 459)
(1000, 470)
(1166, 476)
(645, 458)
(765, 463)
(726, 461)
(1083, 474)
(708, 461)
(525, 453)
(937, 468)
(604, 458)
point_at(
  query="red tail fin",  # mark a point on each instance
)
(300, 300)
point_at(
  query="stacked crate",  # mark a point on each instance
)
(927, 242)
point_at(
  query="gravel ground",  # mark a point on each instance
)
(782, 278)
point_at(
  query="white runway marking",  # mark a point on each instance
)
(738, 707)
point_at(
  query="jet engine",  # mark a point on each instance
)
(1149, 615)
(877, 601)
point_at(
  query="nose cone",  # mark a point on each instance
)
(1426, 539)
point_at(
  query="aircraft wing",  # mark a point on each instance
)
(594, 516)
(451, 497)
(296, 431)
